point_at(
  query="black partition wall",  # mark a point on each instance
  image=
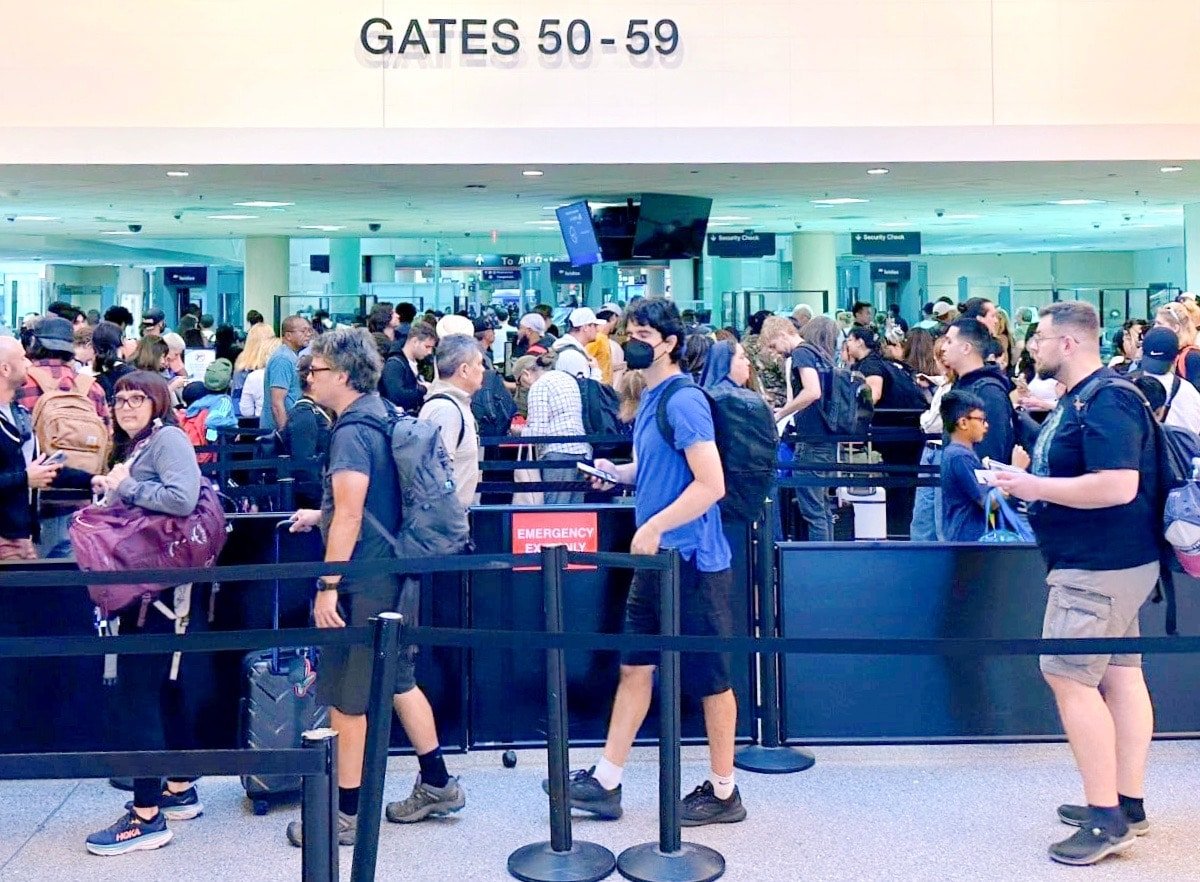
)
(917, 590)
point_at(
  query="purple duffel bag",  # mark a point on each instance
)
(116, 536)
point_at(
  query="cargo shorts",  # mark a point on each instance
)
(1099, 603)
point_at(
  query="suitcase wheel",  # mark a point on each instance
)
(260, 806)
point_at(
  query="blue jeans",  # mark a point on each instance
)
(813, 502)
(927, 510)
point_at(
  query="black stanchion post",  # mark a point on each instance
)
(389, 626)
(769, 757)
(561, 859)
(670, 859)
(319, 856)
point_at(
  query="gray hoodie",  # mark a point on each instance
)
(165, 476)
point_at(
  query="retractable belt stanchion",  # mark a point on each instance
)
(769, 757)
(561, 859)
(319, 854)
(670, 859)
(388, 628)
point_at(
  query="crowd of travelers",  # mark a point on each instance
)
(92, 411)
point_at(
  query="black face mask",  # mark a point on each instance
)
(638, 355)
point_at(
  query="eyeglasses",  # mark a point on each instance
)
(981, 419)
(1038, 339)
(132, 401)
(315, 370)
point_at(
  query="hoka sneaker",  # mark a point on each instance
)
(702, 806)
(347, 830)
(427, 800)
(178, 806)
(130, 833)
(588, 795)
(1077, 816)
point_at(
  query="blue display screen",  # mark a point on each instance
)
(575, 221)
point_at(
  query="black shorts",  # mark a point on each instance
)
(704, 610)
(344, 672)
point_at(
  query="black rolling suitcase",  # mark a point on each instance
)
(278, 705)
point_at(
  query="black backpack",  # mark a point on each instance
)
(601, 407)
(905, 393)
(493, 406)
(745, 436)
(845, 406)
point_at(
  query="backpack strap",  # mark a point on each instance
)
(660, 412)
(83, 384)
(1181, 362)
(1171, 397)
(462, 429)
(42, 377)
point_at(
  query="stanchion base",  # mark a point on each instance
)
(585, 862)
(692, 863)
(773, 760)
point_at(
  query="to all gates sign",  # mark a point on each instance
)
(579, 531)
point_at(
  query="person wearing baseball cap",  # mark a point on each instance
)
(1160, 348)
(944, 312)
(609, 355)
(448, 325)
(582, 328)
(531, 336)
(154, 321)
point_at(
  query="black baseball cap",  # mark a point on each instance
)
(153, 317)
(1160, 346)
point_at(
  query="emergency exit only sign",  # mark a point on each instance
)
(579, 531)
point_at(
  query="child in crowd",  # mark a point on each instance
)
(964, 518)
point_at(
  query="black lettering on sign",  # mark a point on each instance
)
(470, 36)
(414, 36)
(442, 24)
(507, 42)
(385, 44)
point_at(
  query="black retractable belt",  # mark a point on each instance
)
(561, 859)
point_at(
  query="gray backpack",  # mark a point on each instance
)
(434, 521)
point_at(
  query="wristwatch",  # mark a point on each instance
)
(326, 584)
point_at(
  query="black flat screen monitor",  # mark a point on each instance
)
(671, 227)
(575, 221)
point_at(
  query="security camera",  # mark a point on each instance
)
(1096, 226)
(468, 235)
(940, 212)
(799, 226)
(11, 219)
(1126, 218)
(178, 215)
(135, 228)
(375, 228)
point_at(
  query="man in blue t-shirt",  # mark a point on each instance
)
(964, 518)
(678, 488)
(1093, 486)
(282, 380)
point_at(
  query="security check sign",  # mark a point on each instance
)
(578, 530)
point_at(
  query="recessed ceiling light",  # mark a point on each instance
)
(720, 224)
(36, 218)
(728, 217)
(532, 173)
(878, 171)
(895, 223)
(233, 217)
(962, 216)
(261, 204)
(1077, 202)
(116, 233)
(324, 228)
(1169, 169)
(841, 200)
(550, 223)
(177, 174)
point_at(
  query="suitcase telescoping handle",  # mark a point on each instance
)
(276, 667)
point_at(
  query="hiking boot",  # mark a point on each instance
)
(347, 830)
(1078, 815)
(588, 796)
(426, 801)
(702, 806)
(1090, 845)
(178, 806)
(130, 833)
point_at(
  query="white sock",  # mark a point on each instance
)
(722, 785)
(608, 774)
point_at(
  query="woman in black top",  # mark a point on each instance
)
(109, 367)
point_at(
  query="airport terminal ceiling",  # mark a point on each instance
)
(87, 211)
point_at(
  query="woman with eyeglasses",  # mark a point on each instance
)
(155, 469)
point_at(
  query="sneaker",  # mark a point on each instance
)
(178, 806)
(347, 830)
(702, 806)
(588, 795)
(1090, 845)
(426, 801)
(130, 833)
(1078, 815)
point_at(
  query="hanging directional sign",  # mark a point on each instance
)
(502, 275)
(462, 261)
(747, 244)
(891, 271)
(885, 244)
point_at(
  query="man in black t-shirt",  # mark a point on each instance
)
(1092, 489)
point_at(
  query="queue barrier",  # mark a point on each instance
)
(680, 861)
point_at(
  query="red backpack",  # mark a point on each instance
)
(196, 428)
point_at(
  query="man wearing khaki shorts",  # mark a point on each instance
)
(1092, 489)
